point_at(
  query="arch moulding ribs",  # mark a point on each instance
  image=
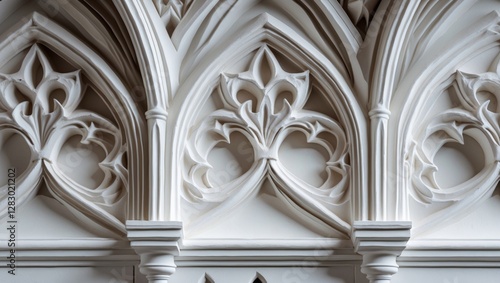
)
(151, 51)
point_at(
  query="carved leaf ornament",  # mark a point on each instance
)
(477, 117)
(265, 117)
(46, 122)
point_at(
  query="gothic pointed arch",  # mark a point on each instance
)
(44, 104)
(456, 112)
(266, 37)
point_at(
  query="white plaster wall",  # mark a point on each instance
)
(74, 274)
(447, 275)
(291, 139)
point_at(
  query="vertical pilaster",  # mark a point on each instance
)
(157, 125)
(379, 117)
(149, 38)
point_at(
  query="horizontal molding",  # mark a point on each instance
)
(241, 253)
(70, 262)
(270, 262)
(267, 253)
(263, 244)
(480, 244)
(71, 252)
(451, 253)
(68, 244)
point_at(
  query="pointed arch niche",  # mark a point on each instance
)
(266, 152)
(286, 169)
(70, 131)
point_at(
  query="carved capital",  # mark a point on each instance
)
(380, 243)
(157, 243)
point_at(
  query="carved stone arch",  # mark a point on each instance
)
(330, 21)
(41, 31)
(418, 140)
(157, 60)
(267, 30)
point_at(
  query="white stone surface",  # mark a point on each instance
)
(288, 141)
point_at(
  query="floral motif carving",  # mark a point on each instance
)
(30, 108)
(477, 117)
(255, 106)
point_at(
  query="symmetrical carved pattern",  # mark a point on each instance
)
(265, 105)
(40, 105)
(476, 117)
(171, 12)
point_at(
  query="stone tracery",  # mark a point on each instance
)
(40, 105)
(265, 117)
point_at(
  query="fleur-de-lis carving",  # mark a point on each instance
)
(266, 105)
(40, 105)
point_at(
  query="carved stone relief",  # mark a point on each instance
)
(262, 107)
(77, 153)
(462, 123)
(294, 109)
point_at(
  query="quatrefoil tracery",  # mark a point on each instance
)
(266, 105)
